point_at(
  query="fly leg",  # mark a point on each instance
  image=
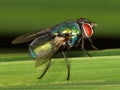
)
(84, 48)
(68, 64)
(49, 62)
(92, 44)
(78, 42)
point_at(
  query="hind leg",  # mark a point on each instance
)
(49, 62)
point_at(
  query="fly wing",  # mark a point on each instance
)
(45, 50)
(28, 37)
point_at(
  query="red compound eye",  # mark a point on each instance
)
(88, 29)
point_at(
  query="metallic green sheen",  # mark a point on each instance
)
(68, 28)
(44, 53)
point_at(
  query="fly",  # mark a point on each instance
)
(44, 44)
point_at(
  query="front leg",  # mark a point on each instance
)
(92, 44)
(82, 47)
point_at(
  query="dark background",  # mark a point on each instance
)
(18, 17)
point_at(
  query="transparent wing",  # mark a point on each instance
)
(47, 49)
(28, 37)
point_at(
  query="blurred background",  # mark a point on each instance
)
(24, 16)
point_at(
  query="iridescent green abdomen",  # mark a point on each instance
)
(44, 52)
(68, 28)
